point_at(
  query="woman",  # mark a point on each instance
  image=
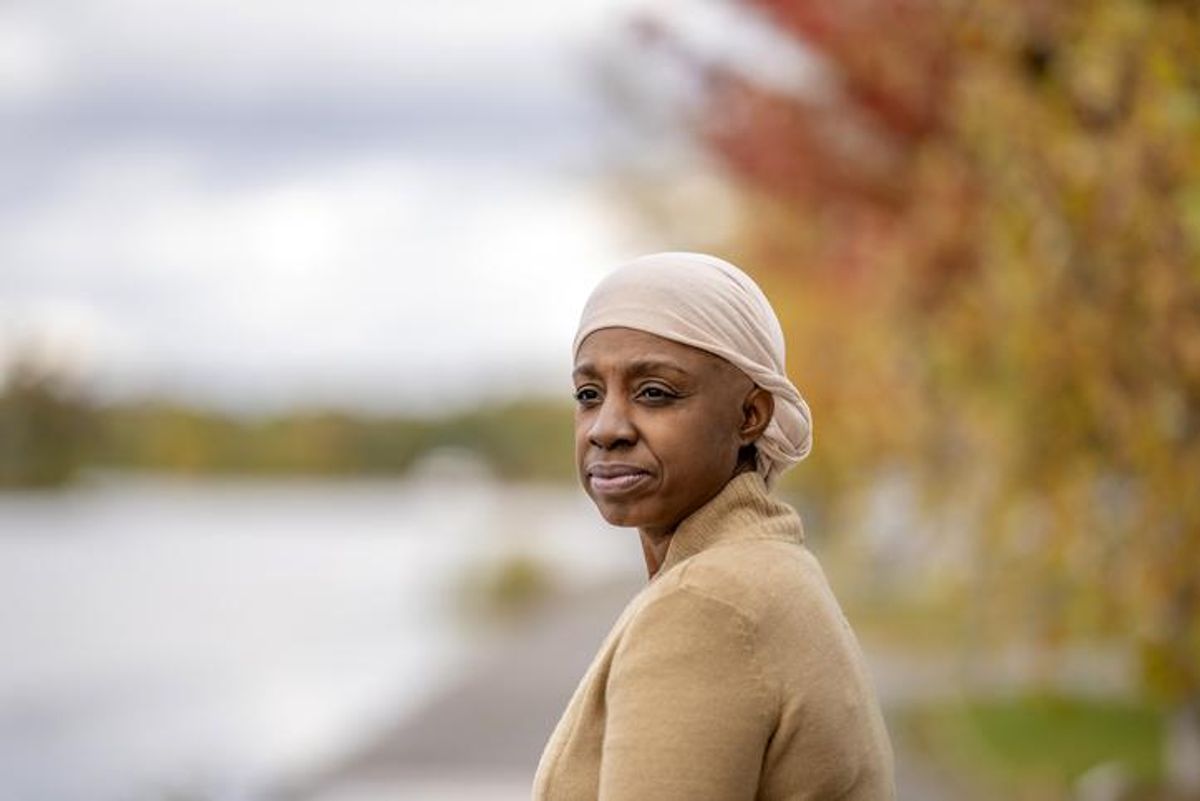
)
(733, 674)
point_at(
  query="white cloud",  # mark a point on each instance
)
(260, 203)
(246, 48)
(30, 63)
(361, 271)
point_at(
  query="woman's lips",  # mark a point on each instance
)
(618, 483)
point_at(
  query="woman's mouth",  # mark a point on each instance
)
(616, 481)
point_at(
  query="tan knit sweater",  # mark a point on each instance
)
(732, 675)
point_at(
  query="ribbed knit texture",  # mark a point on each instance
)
(732, 675)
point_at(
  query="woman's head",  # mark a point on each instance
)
(680, 384)
(660, 426)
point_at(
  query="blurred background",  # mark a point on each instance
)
(286, 298)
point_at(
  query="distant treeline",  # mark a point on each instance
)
(49, 433)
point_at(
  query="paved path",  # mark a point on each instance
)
(481, 738)
(488, 729)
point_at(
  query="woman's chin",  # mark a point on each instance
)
(625, 515)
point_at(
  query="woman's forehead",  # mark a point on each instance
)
(628, 350)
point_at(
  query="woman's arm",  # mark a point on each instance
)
(689, 708)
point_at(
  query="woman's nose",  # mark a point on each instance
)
(612, 425)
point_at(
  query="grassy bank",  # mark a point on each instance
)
(1036, 746)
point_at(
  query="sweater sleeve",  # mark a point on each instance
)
(689, 710)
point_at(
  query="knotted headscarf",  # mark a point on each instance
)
(705, 302)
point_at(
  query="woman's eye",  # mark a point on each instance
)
(585, 395)
(656, 393)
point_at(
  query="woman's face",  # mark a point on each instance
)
(658, 425)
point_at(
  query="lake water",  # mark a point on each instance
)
(161, 636)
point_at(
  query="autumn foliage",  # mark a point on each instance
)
(981, 225)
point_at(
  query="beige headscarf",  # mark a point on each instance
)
(708, 303)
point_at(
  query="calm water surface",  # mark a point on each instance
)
(160, 636)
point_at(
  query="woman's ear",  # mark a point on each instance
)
(757, 410)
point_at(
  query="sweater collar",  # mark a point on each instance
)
(742, 509)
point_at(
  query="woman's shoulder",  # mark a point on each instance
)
(762, 578)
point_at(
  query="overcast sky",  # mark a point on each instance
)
(369, 203)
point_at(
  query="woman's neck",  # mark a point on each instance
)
(656, 540)
(654, 547)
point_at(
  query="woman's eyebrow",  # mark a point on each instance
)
(646, 366)
(636, 368)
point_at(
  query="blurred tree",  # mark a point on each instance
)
(981, 222)
(42, 424)
(527, 439)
